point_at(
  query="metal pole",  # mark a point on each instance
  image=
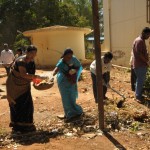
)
(98, 63)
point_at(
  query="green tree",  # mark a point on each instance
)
(15, 14)
(21, 42)
(67, 15)
(84, 11)
(31, 14)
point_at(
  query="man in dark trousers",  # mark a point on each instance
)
(7, 58)
(106, 67)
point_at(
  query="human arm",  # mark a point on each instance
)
(25, 75)
(55, 71)
(93, 67)
(106, 79)
(141, 52)
(131, 58)
(14, 59)
(2, 58)
(20, 65)
(146, 60)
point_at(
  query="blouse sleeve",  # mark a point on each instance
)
(21, 63)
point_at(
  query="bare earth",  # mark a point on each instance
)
(54, 134)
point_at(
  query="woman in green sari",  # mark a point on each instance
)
(68, 71)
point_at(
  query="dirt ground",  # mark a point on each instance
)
(131, 132)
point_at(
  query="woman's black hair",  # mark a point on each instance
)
(19, 50)
(66, 52)
(108, 55)
(31, 48)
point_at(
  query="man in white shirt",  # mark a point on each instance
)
(106, 67)
(133, 75)
(7, 58)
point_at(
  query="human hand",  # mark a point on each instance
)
(46, 78)
(37, 79)
(11, 102)
(72, 71)
(104, 83)
(108, 85)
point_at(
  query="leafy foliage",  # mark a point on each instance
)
(31, 14)
(21, 42)
(147, 84)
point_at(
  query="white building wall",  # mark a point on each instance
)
(126, 20)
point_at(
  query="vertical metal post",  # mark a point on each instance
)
(148, 11)
(98, 62)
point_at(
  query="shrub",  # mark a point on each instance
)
(147, 84)
(21, 42)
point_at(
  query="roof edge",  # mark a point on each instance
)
(58, 28)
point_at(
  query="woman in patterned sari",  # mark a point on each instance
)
(68, 71)
(19, 91)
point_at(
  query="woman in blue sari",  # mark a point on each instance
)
(68, 71)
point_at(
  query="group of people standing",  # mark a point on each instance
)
(18, 88)
(139, 64)
(21, 72)
(68, 71)
(8, 58)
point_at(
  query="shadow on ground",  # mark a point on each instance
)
(147, 103)
(114, 141)
(33, 137)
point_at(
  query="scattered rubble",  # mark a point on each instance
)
(3, 75)
(129, 118)
(89, 136)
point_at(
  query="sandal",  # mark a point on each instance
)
(139, 101)
(61, 117)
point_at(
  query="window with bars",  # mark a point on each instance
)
(148, 11)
